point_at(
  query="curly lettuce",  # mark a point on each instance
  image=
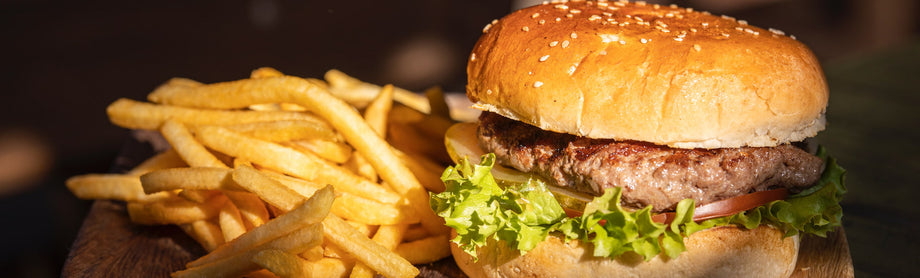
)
(524, 214)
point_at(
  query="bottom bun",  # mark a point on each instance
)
(718, 252)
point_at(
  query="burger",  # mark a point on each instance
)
(638, 140)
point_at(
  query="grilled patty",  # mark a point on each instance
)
(649, 174)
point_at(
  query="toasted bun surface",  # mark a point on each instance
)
(651, 73)
(719, 252)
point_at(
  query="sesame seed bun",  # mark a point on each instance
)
(659, 74)
(718, 252)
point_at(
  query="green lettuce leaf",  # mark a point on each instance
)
(524, 214)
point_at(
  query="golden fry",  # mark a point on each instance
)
(266, 188)
(282, 263)
(190, 178)
(295, 163)
(283, 131)
(360, 93)
(205, 233)
(230, 221)
(187, 147)
(310, 211)
(437, 102)
(140, 115)
(426, 250)
(241, 263)
(251, 208)
(167, 159)
(388, 236)
(264, 72)
(378, 258)
(111, 187)
(335, 152)
(174, 210)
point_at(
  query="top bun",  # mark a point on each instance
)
(659, 74)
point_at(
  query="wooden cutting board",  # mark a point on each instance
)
(110, 245)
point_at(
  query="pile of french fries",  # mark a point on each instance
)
(277, 175)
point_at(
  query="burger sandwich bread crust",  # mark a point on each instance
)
(658, 74)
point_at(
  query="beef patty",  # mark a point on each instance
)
(649, 174)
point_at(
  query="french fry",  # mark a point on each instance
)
(376, 112)
(292, 162)
(388, 236)
(437, 102)
(426, 250)
(283, 131)
(205, 233)
(360, 93)
(241, 263)
(283, 264)
(350, 206)
(415, 232)
(312, 210)
(189, 178)
(426, 171)
(264, 72)
(167, 159)
(193, 153)
(174, 210)
(266, 188)
(251, 208)
(336, 152)
(112, 187)
(378, 258)
(330, 267)
(230, 221)
(313, 254)
(140, 115)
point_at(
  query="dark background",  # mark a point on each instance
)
(63, 62)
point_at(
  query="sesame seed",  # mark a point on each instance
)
(689, 10)
(573, 35)
(529, 73)
(697, 47)
(486, 29)
(673, 6)
(742, 22)
(534, 15)
(544, 58)
(525, 28)
(608, 38)
(553, 43)
(705, 24)
(558, 19)
(775, 31)
(644, 40)
(608, 14)
(573, 68)
(693, 30)
(623, 42)
(575, 11)
(542, 21)
(565, 44)
(656, 6)
(728, 17)
(569, 16)
(602, 4)
(473, 57)
(489, 91)
(665, 31)
(792, 36)
(537, 84)
(562, 7)
(638, 18)
(594, 17)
